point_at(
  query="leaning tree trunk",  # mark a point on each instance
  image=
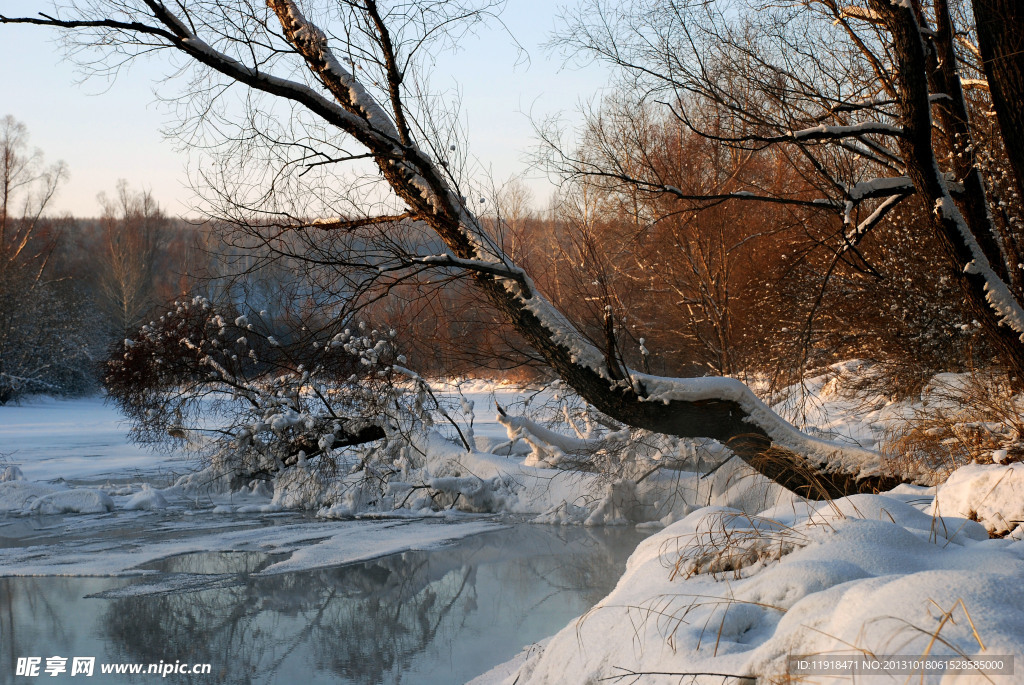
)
(955, 131)
(722, 409)
(1001, 41)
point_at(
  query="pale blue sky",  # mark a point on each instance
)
(104, 132)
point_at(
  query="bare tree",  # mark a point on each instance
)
(26, 188)
(849, 92)
(318, 79)
(1000, 28)
(686, 277)
(43, 341)
(135, 233)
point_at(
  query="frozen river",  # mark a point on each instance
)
(266, 597)
(442, 615)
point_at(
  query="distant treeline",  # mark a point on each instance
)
(735, 288)
(718, 292)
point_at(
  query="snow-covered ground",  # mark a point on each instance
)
(904, 586)
(743, 581)
(81, 440)
(866, 577)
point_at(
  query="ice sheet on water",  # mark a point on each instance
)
(81, 440)
(307, 544)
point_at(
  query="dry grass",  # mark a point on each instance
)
(730, 543)
(905, 633)
(735, 545)
(962, 419)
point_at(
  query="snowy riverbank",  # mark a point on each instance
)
(724, 592)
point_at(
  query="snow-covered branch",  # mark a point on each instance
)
(479, 266)
(342, 224)
(825, 132)
(709, 198)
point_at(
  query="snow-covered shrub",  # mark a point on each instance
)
(254, 408)
(728, 543)
(634, 476)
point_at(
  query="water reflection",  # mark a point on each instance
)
(419, 617)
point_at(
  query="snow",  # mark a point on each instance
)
(850, 458)
(18, 495)
(880, 187)
(546, 446)
(727, 592)
(308, 545)
(127, 509)
(505, 670)
(348, 547)
(73, 501)
(997, 293)
(313, 43)
(262, 80)
(146, 498)
(22, 497)
(77, 499)
(563, 333)
(81, 440)
(825, 131)
(991, 494)
(742, 584)
(11, 473)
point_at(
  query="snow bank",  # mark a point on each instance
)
(23, 497)
(17, 495)
(76, 501)
(11, 473)
(147, 498)
(731, 593)
(447, 477)
(991, 494)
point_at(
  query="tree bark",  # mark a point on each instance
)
(1001, 41)
(916, 149)
(955, 129)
